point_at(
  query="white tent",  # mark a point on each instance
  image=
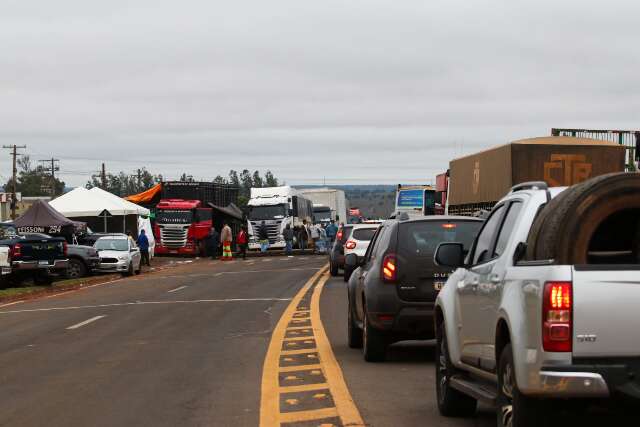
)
(80, 202)
(131, 208)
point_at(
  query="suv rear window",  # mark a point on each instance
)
(364, 234)
(422, 238)
(346, 232)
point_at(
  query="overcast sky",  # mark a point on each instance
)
(351, 91)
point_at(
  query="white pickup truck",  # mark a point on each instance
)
(545, 307)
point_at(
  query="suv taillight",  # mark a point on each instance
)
(16, 251)
(390, 268)
(556, 316)
(339, 235)
(351, 244)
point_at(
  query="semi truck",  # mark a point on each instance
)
(276, 207)
(331, 198)
(415, 200)
(476, 182)
(184, 215)
(322, 214)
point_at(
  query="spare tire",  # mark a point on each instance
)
(565, 227)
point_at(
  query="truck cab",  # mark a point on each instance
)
(180, 226)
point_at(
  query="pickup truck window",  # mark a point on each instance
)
(507, 228)
(486, 238)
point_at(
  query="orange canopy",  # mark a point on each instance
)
(146, 196)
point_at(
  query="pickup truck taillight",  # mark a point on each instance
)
(351, 244)
(15, 251)
(390, 268)
(557, 316)
(65, 248)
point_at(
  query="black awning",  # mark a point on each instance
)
(231, 211)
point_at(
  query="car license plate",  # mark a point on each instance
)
(6, 270)
(43, 262)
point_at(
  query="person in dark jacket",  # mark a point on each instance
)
(287, 234)
(143, 244)
(213, 242)
(303, 236)
(263, 236)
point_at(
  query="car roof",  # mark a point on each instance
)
(114, 237)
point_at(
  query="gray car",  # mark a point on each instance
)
(394, 286)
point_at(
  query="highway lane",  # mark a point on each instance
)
(184, 346)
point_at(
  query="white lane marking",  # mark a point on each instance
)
(12, 303)
(267, 260)
(86, 322)
(144, 303)
(268, 271)
(217, 274)
(177, 289)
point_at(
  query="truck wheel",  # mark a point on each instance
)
(374, 343)
(333, 269)
(354, 333)
(596, 215)
(514, 409)
(451, 402)
(76, 269)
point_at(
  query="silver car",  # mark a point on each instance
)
(118, 254)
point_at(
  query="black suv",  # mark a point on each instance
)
(336, 252)
(394, 286)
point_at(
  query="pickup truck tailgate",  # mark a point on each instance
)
(606, 312)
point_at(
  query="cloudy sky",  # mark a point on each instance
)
(347, 91)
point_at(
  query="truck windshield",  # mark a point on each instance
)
(174, 216)
(423, 237)
(267, 212)
(112, 245)
(322, 214)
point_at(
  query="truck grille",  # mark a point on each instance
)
(173, 237)
(273, 230)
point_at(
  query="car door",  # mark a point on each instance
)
(492, 284)
(364, 270)
(473, 306)
(136, 257)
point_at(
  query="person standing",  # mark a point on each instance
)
(315, 235)
(303, 236)
(287, 234)
(263, 236)
(243, 240)
(332, 231)
(143, 244)
(213, 243)
(226, 237)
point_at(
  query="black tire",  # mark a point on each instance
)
(347, 273)
(512, 408)
(451, 402)
(564, 229)
(374, 343)
(129, 272)
(333, 268)
(354, 333)
(76, 269)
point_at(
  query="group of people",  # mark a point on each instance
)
(222, 241)
(313, 236)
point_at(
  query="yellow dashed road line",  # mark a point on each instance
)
(301, 378)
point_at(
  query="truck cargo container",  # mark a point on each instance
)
(476, 182)
(330, 197)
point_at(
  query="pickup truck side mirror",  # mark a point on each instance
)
(450, 255)
(351, 260)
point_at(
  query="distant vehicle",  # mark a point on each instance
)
(357, 244)
(332, 198)
(415, 200)
(83, 260)
(277, 207)
(394, 285)
(479, 180)
(118, 255)
(336, 252)
(34, 256)
(544, 308)
(321, 214)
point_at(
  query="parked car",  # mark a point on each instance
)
(394, 285)
(118, 254)
(357, 244)
(35, 256)
(83, 260)
(544, 308)
(336, 252)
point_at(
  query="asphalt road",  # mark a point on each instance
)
(180, 347)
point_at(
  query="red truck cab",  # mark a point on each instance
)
(180, 226)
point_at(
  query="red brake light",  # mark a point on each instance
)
(389, 268)
(448, 225)
(16, 251)
(351, 244)
(339, 235)
(556, 317)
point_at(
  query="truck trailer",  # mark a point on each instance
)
(476, 182)
(276, 207)
(332, 198)
(415, 200)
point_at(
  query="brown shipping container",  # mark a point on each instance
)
(488, 176)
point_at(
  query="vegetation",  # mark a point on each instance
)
(33, 180)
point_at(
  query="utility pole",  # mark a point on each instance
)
(14, 154)
(138, 176)
(103, 177)
(51, 169)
